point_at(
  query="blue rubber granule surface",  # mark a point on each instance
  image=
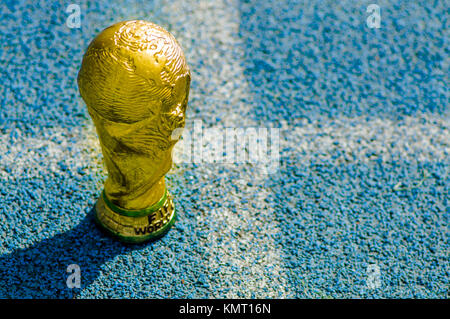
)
(357, 208)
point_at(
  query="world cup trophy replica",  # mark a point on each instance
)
(135, 82)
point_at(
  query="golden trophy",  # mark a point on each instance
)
(135, 81)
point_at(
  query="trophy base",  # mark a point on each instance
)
(135, 226)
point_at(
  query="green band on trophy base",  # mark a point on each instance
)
(130, 228)
(134, 213)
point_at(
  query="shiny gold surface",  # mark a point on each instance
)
(135, 81)
(135, 229)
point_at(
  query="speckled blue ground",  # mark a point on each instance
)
(363, 179)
